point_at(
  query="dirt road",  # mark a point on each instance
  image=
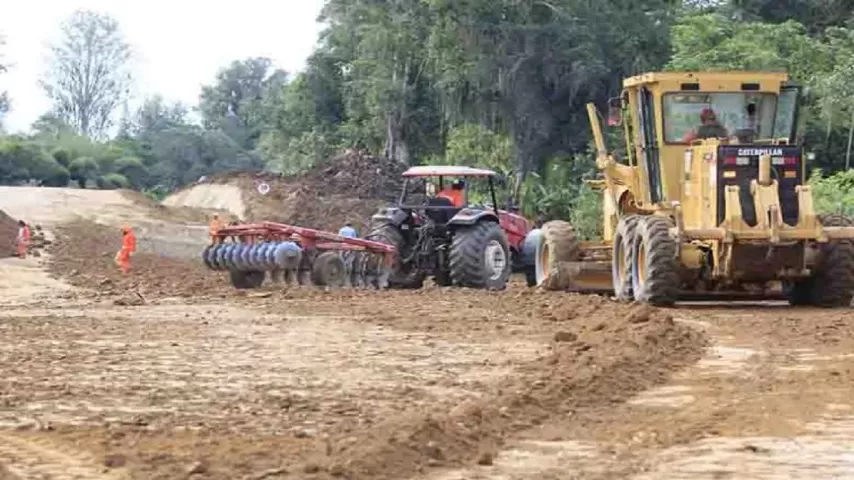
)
(169, 373)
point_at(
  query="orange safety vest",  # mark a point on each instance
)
(457, 197)
(129, 242)
(216, 226)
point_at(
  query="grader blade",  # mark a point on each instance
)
(584, 276)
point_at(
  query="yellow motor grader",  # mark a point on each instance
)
(709, 200)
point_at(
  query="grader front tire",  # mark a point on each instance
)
(655, 276)
(557, 244)
(832, 285)
(623, 257)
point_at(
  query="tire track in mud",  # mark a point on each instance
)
(29, 459)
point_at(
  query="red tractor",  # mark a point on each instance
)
(437, 232)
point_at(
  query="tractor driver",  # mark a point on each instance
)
(709, 127)
(456, 193)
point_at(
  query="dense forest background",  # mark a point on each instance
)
(498, 83)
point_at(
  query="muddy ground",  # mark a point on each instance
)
(169, 373)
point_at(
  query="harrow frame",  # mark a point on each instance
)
(319, 251)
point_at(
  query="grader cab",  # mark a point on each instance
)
(709, 199)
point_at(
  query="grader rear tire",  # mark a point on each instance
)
(623, 257)
(558, 244)
(832, 285)
(655, 276)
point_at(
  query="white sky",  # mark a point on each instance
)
(180, 44)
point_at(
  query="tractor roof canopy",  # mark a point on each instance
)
(447, 171)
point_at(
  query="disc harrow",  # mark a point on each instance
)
(292, 254)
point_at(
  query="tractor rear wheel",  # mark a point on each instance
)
(480, 256)
(832, 285)
(246, 280)
(402, 276)
(655, 276)
(557, 244)
(328, 270)
(623, 257)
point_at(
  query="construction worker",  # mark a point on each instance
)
(349, 257)
(215, 226)
(709, 127)
(348, 231)
(128, 248)
(456, 193)
(23, 238)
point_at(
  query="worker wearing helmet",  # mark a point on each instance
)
(215, 226)
(23, 238)
(128, 248)
(709, 127)
(456, 193)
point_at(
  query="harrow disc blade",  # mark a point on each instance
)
(206, 256)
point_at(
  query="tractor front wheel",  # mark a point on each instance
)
(480, 257)
(655, 276)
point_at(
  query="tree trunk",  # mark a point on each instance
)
(850, 138)
(396, 147)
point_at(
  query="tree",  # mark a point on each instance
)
(88, 75)
(82, 170)
(234, 103)
(4, 96)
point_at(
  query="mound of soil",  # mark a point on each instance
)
(84, 252)
(8, 235)
(348, 187)
(603, 357)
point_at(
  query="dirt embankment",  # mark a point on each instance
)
(349, 187)
(84, 252)
(8, 235)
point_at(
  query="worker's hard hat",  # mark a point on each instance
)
(125, 228)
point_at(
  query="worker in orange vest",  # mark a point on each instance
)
(23, 238)
(215, 226)
(128, 248)
(456, 193)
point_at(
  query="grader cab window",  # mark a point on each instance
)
(693, 116)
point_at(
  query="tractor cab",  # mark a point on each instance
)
(447, 225)
(449, 194)
(443, 192)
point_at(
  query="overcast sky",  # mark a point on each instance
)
(180, 44)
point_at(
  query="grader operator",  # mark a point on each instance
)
(709, 199)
